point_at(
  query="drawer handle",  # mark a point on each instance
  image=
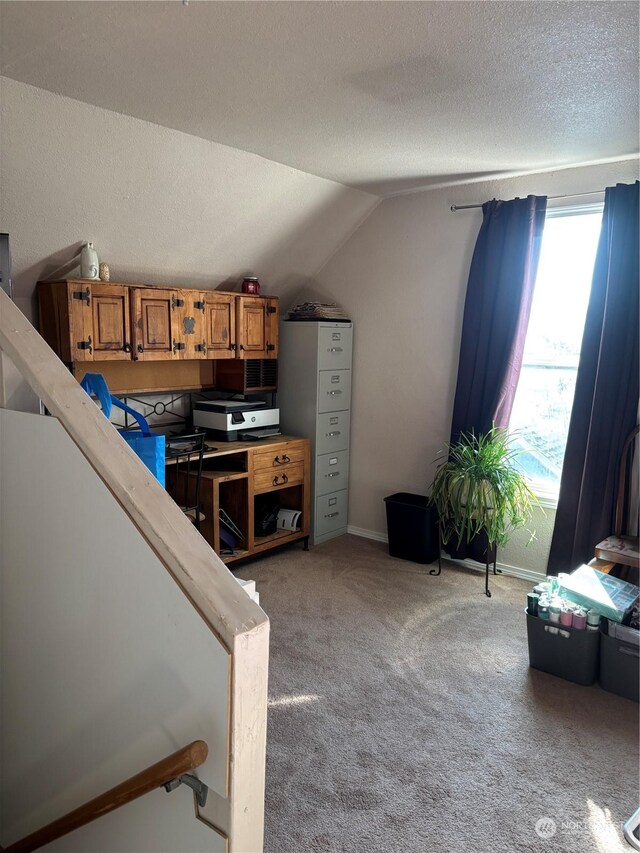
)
(283, 461)
(333, 393)
(335, 349)
(333, 474)
(332, 515)
(331, 434)
(276, 482)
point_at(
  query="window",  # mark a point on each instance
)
(544, 396)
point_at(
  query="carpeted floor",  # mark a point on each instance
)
(404, 717)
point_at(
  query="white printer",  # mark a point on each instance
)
(235, 420)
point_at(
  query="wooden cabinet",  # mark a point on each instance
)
(86, 321)
(99, 321)
(220, 324)
(257, 327)
(152, 311)
(238, 477)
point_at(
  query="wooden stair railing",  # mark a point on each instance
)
(159, 774)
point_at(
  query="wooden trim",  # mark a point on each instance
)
(181, 761)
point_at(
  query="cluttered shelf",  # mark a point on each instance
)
(253, 495)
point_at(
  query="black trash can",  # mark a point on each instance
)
(413, 528)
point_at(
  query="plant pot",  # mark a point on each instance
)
(477, 549)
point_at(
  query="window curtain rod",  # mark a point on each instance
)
(455, 207)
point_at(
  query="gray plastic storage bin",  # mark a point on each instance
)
(574, 657)
(619, 666)
(412, 525)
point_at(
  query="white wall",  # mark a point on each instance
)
(161, 206)
(402, 279)
(105, 666)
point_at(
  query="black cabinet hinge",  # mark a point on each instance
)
(82, 295)
(199, 305)
(177, 303)
(270, 347)
(179, 346)
(200, 347)
(271, 309)
(86, 345)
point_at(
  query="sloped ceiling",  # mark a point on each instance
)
(381, 96)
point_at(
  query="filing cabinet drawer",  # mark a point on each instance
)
(332, 432)
(279, 457)
(268, 479)
(334, 390)
(334, 349)
(331, 513)
(332, 472)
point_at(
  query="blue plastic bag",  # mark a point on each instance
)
(149, 446)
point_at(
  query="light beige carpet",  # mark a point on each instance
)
(404, 716)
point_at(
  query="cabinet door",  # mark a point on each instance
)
(189, 340)
(153, 311)
(220, 324)
(252, 327)
(111, 322)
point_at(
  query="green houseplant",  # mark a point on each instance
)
(478, 491)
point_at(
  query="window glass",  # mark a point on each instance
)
(544, 396)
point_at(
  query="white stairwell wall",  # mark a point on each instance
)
(106, 667)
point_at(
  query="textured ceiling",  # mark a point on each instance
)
(383, 96)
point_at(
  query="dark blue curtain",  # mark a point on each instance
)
(496, 313)
(606, 399)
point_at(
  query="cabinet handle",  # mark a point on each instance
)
(276, 482)
(241, 346)
(333, 474)
(335, 349)
(234, 347)
(283, 461)
(333, 393)
(332, 434)
(127, 347)
(286, 458)
(332, 515)
(140, 348)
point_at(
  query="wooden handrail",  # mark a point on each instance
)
(181, 761)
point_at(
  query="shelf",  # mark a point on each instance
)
(224, 476)
(259, 541)
(239, 554)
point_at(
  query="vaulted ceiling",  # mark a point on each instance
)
(383, 96)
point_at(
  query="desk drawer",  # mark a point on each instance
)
(278, 457)
(269, 479)
(334, 390)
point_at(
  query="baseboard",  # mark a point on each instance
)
(367, 534)
(514, 571)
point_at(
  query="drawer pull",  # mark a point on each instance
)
(332, 434)
(283, 461)
(276, 482)
(335, 349)
(333, 393)
(331, 514)
(333, 474)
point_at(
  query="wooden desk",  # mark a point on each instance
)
(238, 472)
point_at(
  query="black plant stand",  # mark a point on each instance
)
(496, 570)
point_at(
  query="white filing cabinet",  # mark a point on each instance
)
(314, 397)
